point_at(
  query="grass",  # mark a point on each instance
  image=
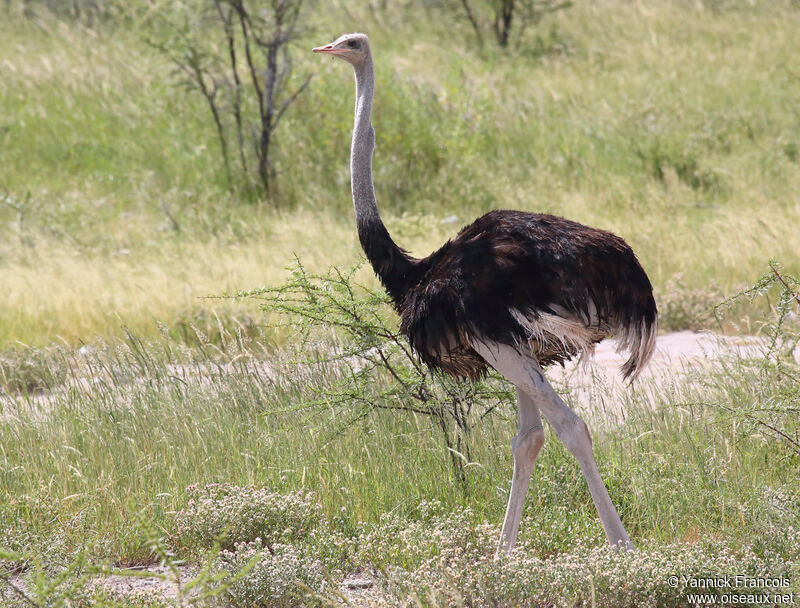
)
(142, 427)
(673, 124)
(115, 453)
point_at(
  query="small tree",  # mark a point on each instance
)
(773, 407)
(376, 367)
(502, 16)
(235, 53)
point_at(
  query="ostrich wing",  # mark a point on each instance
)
(519, 278)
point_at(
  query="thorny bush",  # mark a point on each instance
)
(773, 403)
(337, 321)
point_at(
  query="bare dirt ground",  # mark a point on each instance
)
(598, 391)
(675, 353)
(676, 350)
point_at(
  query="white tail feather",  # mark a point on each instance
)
(640, 341)
(547, 328)
(575, 336)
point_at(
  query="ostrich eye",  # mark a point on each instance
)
(353, 44)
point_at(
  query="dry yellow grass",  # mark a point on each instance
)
(671, 124)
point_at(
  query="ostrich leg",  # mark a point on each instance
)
(525, 447)
(526, 374)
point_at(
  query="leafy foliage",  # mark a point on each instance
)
(237, 515)
(773, 405)
(276, 577)
(376, 366)
(682, 307)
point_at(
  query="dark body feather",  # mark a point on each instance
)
(509, 272)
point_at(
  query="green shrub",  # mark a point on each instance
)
(351, 327)
(682, 307)
(768, 406)
(270, 577)
(587, 576)
(29, 370)
(396, 541)
(235, 514)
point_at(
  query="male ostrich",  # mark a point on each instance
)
(514, 291)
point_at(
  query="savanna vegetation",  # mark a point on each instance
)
(266, 446)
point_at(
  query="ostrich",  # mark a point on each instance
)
(514, 291)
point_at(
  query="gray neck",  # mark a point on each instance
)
(390, 262)
(363, 144)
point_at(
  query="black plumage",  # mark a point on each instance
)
(513, 277)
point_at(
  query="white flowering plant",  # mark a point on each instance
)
(277, 576)
(231, 514)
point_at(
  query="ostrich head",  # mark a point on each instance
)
(353, 48)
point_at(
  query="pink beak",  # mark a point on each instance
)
(328, 48)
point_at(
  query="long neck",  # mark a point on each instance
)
(390, 262)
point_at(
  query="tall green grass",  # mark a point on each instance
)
(673, 124)
(134, 425)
